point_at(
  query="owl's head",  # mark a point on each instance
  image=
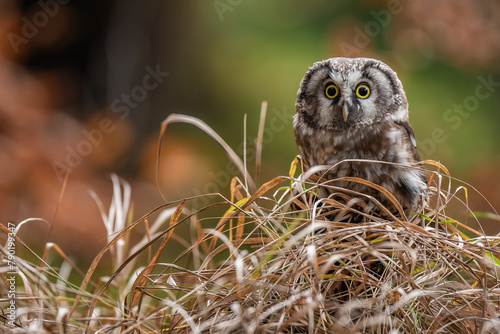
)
(345, 93)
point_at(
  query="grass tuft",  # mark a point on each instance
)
(280, 259)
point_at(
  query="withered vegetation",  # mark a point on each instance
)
(279, 259)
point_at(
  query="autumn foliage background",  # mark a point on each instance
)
(86, 68)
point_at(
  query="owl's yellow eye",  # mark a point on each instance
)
(331, 91)
(362, 91)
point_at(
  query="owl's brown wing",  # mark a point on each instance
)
(409, 131)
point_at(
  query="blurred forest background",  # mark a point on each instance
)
(85, 84)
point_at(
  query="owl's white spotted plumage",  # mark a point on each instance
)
(356, 108)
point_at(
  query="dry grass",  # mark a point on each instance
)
(278, 260)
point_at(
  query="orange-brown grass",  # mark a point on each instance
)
(280, 259)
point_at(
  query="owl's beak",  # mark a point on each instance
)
(345, 112)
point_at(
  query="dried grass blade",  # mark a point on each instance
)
(141, 280)
(178, 118)
(241, 209)
(436, 164)
(99, 256)
(258, 141)
(61, 253)
(240, 226)
(381, 189)
(293, 167)
(95, 297)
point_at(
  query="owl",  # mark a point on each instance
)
(354, 109)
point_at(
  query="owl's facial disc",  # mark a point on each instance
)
(341, 94)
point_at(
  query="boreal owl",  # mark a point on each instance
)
(356, 108)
